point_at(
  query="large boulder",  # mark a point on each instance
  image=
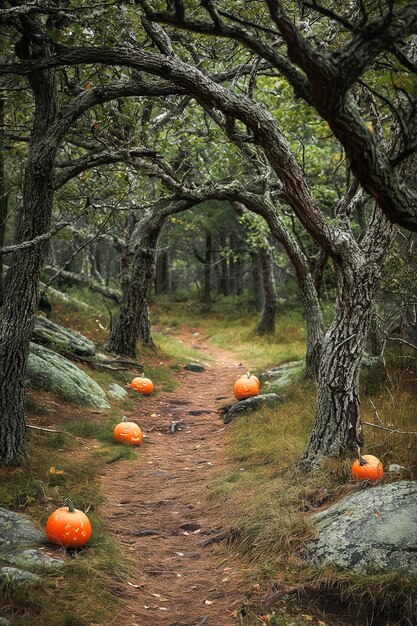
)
(251, 404)
(373, 530)
(50, 371)
(20, 557)
(275, 379)
(17, 531)
(60, 339)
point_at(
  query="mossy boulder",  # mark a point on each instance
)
(117, 392)
(275, 379)
(21, 555)
(373, 530)
(252, 404)
(60, 339)
(49, 371)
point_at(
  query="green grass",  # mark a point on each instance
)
(179, 353)
(233, 329)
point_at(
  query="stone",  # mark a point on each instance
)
(49, 371)
(33, 560)
(373, 530)
(117, 392)
(395, 468)
(275, 379)
(16, 575)
(61, 339)
(195, 367)
(252, 404)
(17, 531)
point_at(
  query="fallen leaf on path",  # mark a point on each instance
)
(208, 602)
(179, 553)
(132, 585)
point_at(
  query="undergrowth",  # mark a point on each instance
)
(89, 585)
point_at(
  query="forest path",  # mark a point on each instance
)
(181, 575)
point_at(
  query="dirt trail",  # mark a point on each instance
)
(183, 577)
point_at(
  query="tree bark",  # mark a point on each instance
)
(162, 272)
(3, 199)
(144, 333)
(21, 299)
(266, 324)
(337, 426)
(132, 321)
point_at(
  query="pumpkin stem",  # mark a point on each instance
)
(70, 505)
(362, 461)
(124, 418)
(248, 374)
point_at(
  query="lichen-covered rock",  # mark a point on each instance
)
(372, 530)
(20, 561)
(252, 404)
(17, 531)
(117, 392)
(60, 339)
(195, 367)
(33, 560)
(50, 371)
(16, 575)
(275, 379)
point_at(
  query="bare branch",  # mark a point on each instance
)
(103, 158)
(36, 241)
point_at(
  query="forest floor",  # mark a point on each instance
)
(182, 575)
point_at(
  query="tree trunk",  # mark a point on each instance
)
(144, 334)
(21, 300)
(3, 199)
(162, 280)
(207, 268)
(266, 324)
(132, 321)
(337, 426)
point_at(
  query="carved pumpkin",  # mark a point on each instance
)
(246, 386)
(128, 432)
(68, 527)
(367, 467)
(141, 384)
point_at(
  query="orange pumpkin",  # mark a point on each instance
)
(68, 527)
(141, 384)
(367, 467)
(128, 432)
(246, 386)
